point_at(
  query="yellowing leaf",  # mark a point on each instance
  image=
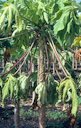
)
(77, 42)
(2, 17)
(9, 16)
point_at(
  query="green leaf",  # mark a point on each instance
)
(46, 17)
(62, 22)
(51, 89)
(19, 23)
(23, 81)
(41, 6)
(7, 66)
(5, 90)
(8, 89)
(42, 93)
(69, 26)
(33, 77)
(10, 16)
(66, 85)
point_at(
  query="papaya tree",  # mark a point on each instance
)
(49, 23)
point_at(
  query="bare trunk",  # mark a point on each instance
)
(6, 55)
(17, 114)
(72, 119)
(42, 117)
(41, 78)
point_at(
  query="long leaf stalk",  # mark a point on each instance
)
(57, 70)
(56, 55)
(47, 56)
(11, 37)
(51, 43)
(24, 59)
(65, 60)
(23, 56)
(60, 61)
(15, 36)
(58, 75)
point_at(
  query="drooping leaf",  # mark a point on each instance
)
(5, 91)
(42, 93)
(9, 16)
(52, 89)
(23, 81)
(8, 89)
(66, 85)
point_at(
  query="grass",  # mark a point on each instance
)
(54, 117)
(49, 114)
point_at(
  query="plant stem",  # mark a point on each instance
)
(41, 78)
(17, 114)
(57, 56)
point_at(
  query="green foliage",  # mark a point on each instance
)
(10, 12)
(16, 87)
(50, 114)
(66, 22)
(24, 84)
(28, 114)
(23, 79)
(51, 89)
(33, 77)
(47, 93)
(63, 57)
(41, 91)
(10, 84)
(7, 66)
(59, 17)
(66, 59)
(32, 19)
(68, 85)
(55, 114)
(63, 22)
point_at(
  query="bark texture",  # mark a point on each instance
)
(17, 114)
(41, 78)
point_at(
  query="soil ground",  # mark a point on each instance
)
(29, 118)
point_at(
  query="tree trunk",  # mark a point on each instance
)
(72, 119)
(17, 114)
(42, 117)
(41, 78)
(6, 55)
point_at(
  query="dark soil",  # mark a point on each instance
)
(7, 120)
